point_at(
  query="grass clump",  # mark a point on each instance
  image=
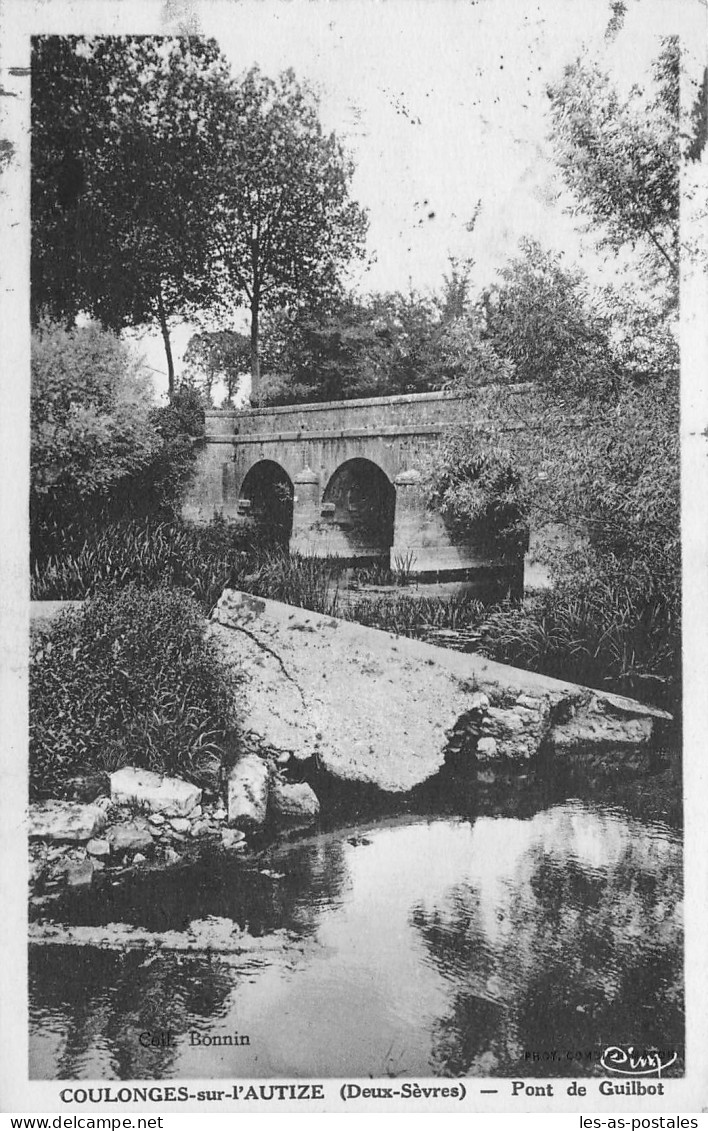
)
(128, 679)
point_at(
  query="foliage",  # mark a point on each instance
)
(383, 345)
(129, 678)
(333, 354)
(602, 625)
(177, 424)
(145, 553)
(542, 321)
(216, 356)
(100, 448)
(89, 413)
(285, 226)
(123, 128)
(620, 157)
(479, 493)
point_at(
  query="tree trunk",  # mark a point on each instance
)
(168, 347)
(255, 352)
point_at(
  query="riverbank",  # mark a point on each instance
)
(338, 717)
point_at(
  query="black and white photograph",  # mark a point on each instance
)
(355, 553)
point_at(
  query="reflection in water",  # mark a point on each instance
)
(106, 1000)
(423, 947)
(570, 940)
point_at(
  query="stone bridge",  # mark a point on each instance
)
(342, 478)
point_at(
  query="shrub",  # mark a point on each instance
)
(101, 450)
(128, 679)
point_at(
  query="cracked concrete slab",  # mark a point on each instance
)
(378, 709)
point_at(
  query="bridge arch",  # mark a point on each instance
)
(360, 501)
(266, 498)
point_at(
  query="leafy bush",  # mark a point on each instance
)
(479, 493)
(101, 450)
(128, 679)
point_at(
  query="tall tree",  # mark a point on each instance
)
(286, 226)
(620, 156)
(217, 356)
(541, 318)
(122, 129)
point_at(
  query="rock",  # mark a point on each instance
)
(486, 748)
(139, 858)
(529, 701)
(284, 758)
(219, 814)
(375, 709)
(97, 847)
(132, 837)
(518, 731)
(79, 873)
(502, 722)
(294, 803)
(595, 725)
(171, 796)
(172, 857)
(156, 819)
(65, 820)
(248, 792)
(233, 838)
(180, 824)
(196, 812)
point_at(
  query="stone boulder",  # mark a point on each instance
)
(247, 792)
(171, 796)
(601, 724)
(294, 803)
(65, 821)
(132, 837)
(517, 731)
(233, 838)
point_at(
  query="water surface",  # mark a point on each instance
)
(415, 946)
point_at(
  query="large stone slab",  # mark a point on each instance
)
(247, 797)
(171, 796)
(379, 709)
(65, 821)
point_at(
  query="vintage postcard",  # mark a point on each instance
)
(354, 557)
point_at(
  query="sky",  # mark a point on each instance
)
(441, 103)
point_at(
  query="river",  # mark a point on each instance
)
(501, 943)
